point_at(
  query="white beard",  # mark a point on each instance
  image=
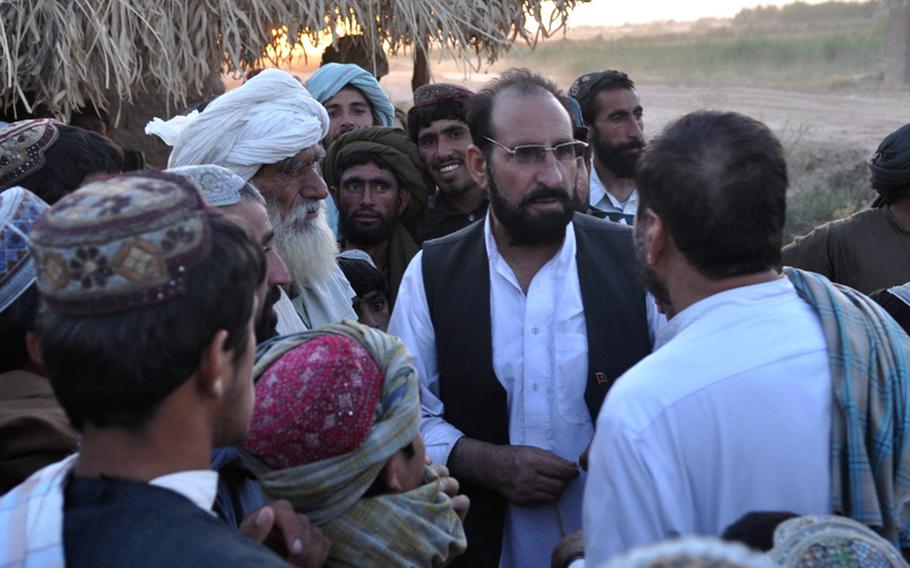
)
(307, 246)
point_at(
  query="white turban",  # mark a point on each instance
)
(269, 118)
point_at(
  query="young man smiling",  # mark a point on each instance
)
(436, 123)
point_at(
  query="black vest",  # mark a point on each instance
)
(457, 281)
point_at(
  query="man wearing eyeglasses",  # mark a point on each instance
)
(612, 111)
(519, 325)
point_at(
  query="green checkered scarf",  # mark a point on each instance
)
(870, 434)
(414, 528)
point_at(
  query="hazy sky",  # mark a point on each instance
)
(618, 12)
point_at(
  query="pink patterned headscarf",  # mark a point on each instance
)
(315, 402)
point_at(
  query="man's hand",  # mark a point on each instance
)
(525, 475)
(450, 487)
(287, 533)
(568, 550)
(530, 477)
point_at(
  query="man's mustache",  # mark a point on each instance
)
(544, 193)
(630, 145)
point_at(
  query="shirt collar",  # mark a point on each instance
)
(596, 189)
(761, 293)
(199, 486)
(597, 192)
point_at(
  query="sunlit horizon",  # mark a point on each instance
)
(618, 13)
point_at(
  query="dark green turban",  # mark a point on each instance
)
(393, 146)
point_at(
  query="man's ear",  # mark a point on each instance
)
(404, 200)
(33, 347)
(477, 165)
(390, 476)
(213, 365)
(333, 191)
(656, 237)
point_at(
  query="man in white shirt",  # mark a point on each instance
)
(499, 317)
(134, 273)
(733, 413)
(612, 111)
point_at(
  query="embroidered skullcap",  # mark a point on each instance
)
(317, 401)
(891, 164)
(267, 119)
(809, 541)
(220, 186)
(120, 244)
(427, 95)
(22, 148)
(19, 209)
(590, 84)
(329, 79)
(327, 489)
(691, 552)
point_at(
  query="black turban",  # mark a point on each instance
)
(891, 164)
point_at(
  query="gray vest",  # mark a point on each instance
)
(457, 281)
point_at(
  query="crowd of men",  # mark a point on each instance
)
(499, 330)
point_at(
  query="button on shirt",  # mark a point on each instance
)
(731, 415)
(606, 206)
(540, 356)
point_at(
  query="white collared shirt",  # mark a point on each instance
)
(199, 486)
(731, 415)
(603, 200)
(540, 356)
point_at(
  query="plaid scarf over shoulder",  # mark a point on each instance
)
(870, 438)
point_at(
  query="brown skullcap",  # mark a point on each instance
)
(431, 94)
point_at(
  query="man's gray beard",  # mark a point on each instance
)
(307, 246)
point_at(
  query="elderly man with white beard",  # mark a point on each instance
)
(268, 131)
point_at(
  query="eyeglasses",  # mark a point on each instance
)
(537, 153)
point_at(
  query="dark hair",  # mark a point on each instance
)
(756, 529)
(89, 111)
(361, 158)
(890, 194)
(114, 371)
(364, 278)
(201, 105)
(606, 81)
(76, 154)
(479, 114)
(718, 181)
(17, 319)
(424, 116)
(896, 308)
(357, 49)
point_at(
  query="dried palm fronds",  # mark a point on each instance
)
(67, 54)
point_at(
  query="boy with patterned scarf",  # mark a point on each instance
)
(336, 433)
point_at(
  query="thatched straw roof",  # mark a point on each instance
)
(68, 53)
